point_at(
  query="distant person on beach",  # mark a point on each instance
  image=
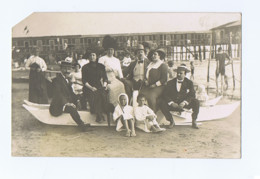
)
(124, 116)
(145, 117)
(220, 67)
(192, 68)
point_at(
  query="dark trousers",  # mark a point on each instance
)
(194, 105)
(131, 85)
(75, 115)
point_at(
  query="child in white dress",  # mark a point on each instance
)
(145, 117)
(124, 116)
(202, 95)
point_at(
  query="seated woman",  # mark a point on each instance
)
(113, 70)
(95, 79)
(156, 78)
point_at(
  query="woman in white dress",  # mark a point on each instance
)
(113, 70)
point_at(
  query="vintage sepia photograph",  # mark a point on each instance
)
(127, 85)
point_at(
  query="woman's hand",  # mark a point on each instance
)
(152, 86)
(93, 89)
(108, 69)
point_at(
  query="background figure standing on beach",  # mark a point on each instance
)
(220, 67)
(192, 68)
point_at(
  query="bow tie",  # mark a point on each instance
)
(140, 61)
(179, 81)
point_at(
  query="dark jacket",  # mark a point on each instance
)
(159, 74)
(129, 72)
(93, 73)
(186, 93)
(62, 94)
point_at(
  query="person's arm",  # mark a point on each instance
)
(27, 64)
(43, 65)
(163, 70)
(119, 70)
(229, 60)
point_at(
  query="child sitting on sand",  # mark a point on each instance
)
(145, 117)
(124, 116)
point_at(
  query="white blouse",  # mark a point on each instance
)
(112, 63)
(38, 60)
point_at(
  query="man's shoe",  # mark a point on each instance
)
(194, 125)
(172, 124)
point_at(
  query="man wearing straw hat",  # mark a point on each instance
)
(179, 94)
(64, 100)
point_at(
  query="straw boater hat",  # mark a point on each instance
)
(182, 67)
(109, 42)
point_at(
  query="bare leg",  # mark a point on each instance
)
(132, 125)
(125, 123)
(217, 83)
(222, 84)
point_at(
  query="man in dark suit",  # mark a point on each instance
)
(179, 94)
(136, 71)
(64, 99)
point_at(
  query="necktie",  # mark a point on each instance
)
(140, 61)
(180, 81)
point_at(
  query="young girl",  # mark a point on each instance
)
(145, 117)
(201, 95)
(124, 116)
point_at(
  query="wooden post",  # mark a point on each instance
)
(209, 63)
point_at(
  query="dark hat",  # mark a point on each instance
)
(109, 42)
(160, 51)
(182, 67)
(90, 51)
(140, 47)
(35, 65)
(64, 63)
(147, 45)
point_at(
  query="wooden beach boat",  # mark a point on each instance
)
(211, 111)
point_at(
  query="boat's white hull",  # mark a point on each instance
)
(41, 112)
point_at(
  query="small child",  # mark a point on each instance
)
(202, 95)
(77, 86)
(145, 117)
(124, 116)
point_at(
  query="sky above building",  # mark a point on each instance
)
(67, 23)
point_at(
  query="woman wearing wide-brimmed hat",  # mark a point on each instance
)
(113, 70)
(156, 78)
(95, 80)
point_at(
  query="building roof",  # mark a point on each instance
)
(43, 24)
(227, 25)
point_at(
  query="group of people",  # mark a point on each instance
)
(133, 98)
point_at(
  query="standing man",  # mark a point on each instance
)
(135, 73)
(179, 94)
(220, 67)
(64, 99)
